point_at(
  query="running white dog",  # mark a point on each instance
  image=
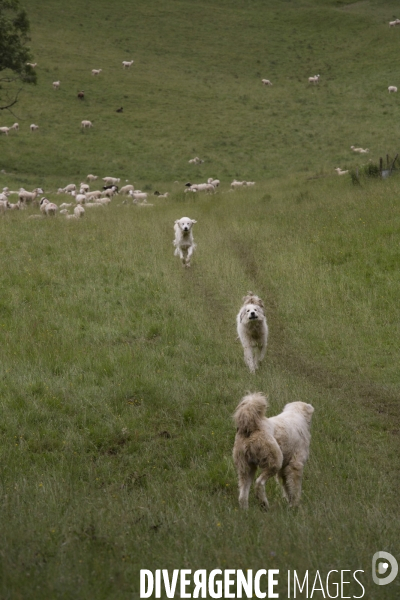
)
(278, 445)
(252, 330)
(184, 240)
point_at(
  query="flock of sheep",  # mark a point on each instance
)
(82, 197)
(56, 85)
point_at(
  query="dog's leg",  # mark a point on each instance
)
(260, 487)
(246, 477)
(292, 476)
(249, 358)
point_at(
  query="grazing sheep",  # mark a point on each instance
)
(196, 161)
(4, 205)
(65, 205)
(80, 198)
(68, 189)
(15, 127)
(111, 180)
(96, 71)
(85, 124)
(359, 150)
(64, 211)
(165, 195)
(235, 184)
(83, 187)
(120, 110)
(27, 197)
(4, 130)
(3, 197)
(392, 88)
(126, 189)
(214, 182)
(81, 95)
(110, 192)
(56, 84)
(91, 177)
(137, 195)
(33, 65)
(394, 23)
(266, 81)
(127, 63)
(314, 79)
(48, 208)
(34, 127)
(103, 201)
(340, 172)
(93, 195)
(79, 211)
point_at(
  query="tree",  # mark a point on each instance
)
(14, 53)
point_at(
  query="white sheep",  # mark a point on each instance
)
(56, 84)
(214, 182)
(80, 198)
(196, 161)
(64, 211)
(48, 208)
(93, 195)
(79, 211)
(110, 192)
(85, 124)
(360, 150)
(27, 197)
(340, 172)
(68, 189)
(126, 189)
(266, 81)
(96, 71)
(392, 88)
(15, 127)
(127, 63)
(235, 184)
(33, 65)
(84, 187)
(111, 180)
(91, 177)
(65, 205)
(4, 205)
(4, 130)
(137, 195)
(314, 79)
(165, 195)
(34, 127)
(394, 23)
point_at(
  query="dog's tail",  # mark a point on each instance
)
(250, 412)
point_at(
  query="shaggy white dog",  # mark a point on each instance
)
(183, 241)
(252, 330)
(278, 445)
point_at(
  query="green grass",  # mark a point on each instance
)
(119, 370)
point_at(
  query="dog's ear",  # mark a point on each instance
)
(177, 221)
(193, 221)
(242, 313)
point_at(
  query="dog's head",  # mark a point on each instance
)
(253, 299)
(185, 224)
(251, 312)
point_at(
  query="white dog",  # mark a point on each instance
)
(252, 330)
(184, 240)
(278, 445)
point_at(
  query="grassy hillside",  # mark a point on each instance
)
(119, 370)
